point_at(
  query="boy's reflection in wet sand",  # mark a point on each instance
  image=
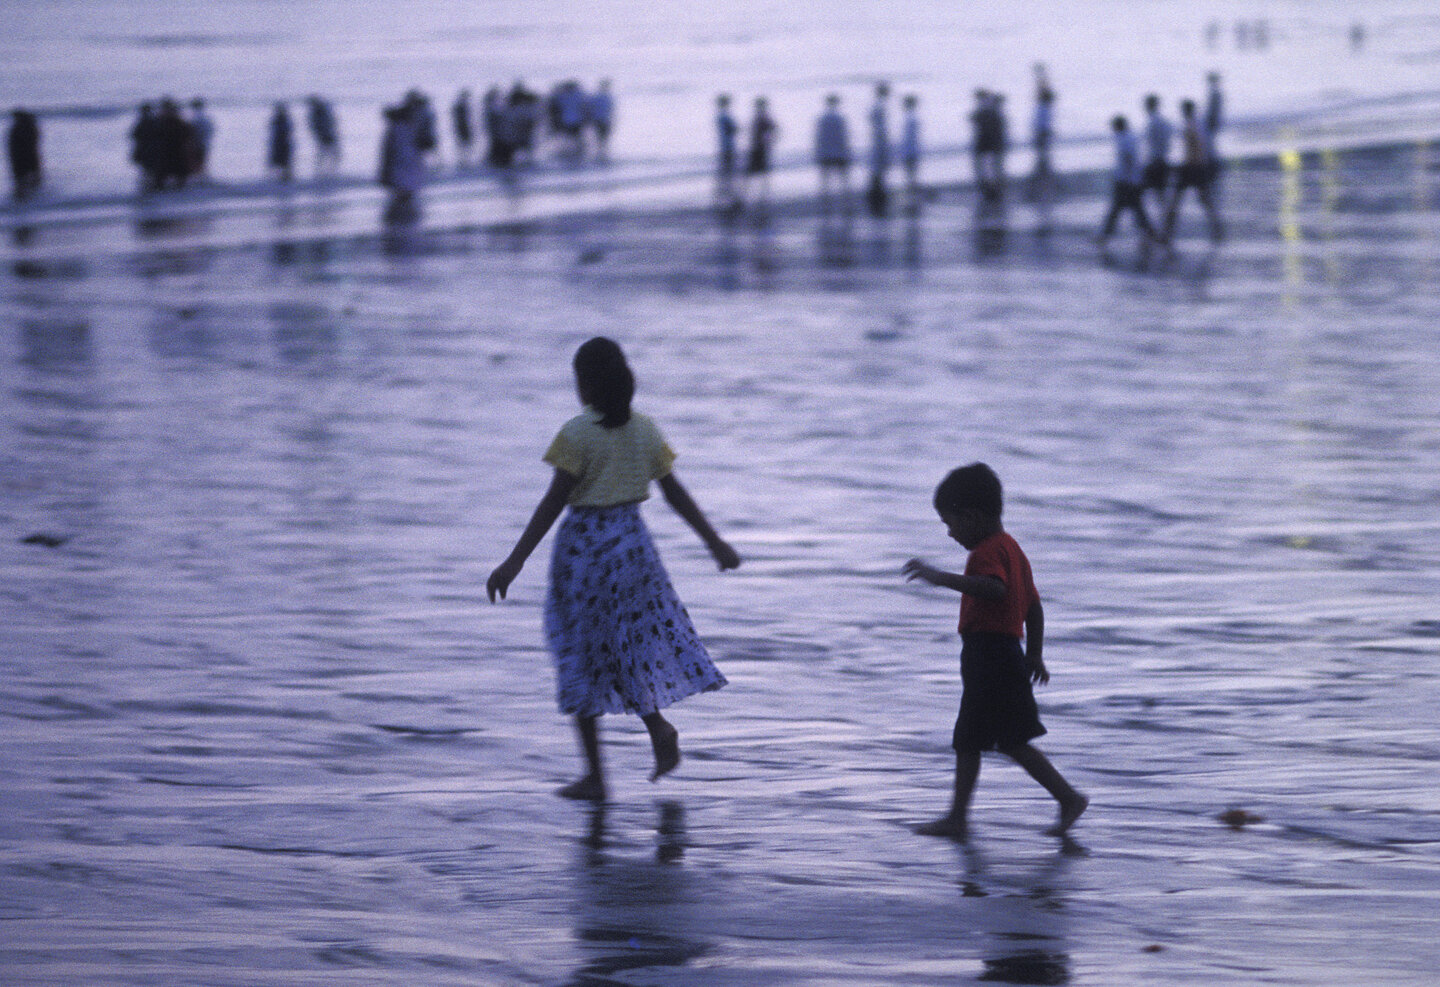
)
(1024, 922)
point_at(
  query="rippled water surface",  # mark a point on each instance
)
(261, 727)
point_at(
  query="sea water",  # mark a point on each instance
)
(85, 67)
(262, 727)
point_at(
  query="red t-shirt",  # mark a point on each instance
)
(999, 556)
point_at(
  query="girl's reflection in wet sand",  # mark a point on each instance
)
(634, 913)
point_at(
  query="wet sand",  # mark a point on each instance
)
(262, 728)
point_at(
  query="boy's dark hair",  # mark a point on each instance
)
(605, 380)
(975, 486)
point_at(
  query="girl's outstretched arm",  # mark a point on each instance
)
(545, 514)
(679, 498)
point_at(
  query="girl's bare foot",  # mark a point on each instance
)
(667, 751)
(949, 827)
(587, 789)
(1069, 812)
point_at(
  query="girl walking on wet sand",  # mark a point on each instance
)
(999, 604)
(621, 638)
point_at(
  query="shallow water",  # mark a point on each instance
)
(262, 727)
(85, 67)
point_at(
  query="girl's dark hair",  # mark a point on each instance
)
(975, 486)
(605, 380)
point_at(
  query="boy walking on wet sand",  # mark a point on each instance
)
(999, 605)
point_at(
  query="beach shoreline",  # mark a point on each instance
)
(263, 727)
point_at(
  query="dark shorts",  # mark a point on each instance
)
(1193, 176)
(1157, 176)
(997, 706)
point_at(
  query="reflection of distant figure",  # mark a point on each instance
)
(202, 132)
(463, 125)
(832, 151)
(727, 136)
(23, 145)
(620, 636)
(1126, 183)
(1357, 36)
(402, 160)
(1196, 172)
(281, 155)
(325, 130)
(1159, 136)
(877, 194)
(763, 133)
(999, 606)
(909, 151)
(600, 115)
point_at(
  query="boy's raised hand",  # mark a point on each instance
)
(918, 569)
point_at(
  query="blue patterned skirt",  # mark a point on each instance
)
(621, 638)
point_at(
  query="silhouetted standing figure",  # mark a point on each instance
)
(1159, 136)
(569, 107)
(145, 150)
(402, 160)
(727, 136)
(1042, 135)
(202, 132)
(23, 145)
(763, 132)
(281, 157)
(462, 122)
(600, 115)
(1196, 172)
(1126, 183)
(909, 151)
(1214, 120)
(988, 148)
(832, 151)
(325, 131)
(176, 141)
(877, 195)
(492, 120)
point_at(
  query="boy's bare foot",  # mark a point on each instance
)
(667, 752)
(1069, 812)
(587, 789)
(949, 827)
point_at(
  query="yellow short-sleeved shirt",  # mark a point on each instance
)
(612, 465)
